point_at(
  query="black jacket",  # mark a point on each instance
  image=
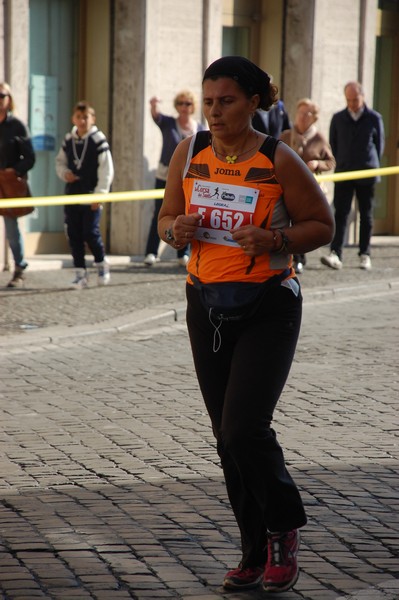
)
(273, 121)
(16, 150)
(357, 145)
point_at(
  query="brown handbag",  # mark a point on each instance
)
(14, 186)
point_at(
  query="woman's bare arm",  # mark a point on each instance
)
(307, 206)
(172, 214)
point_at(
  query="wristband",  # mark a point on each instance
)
(284, 242)
(284, 245)
(275, 238)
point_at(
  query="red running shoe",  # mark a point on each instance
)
(281, 571)
(243, 579)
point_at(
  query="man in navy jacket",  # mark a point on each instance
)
(357, 141)
(273, 121)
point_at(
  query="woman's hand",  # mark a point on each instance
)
(184, 228)
(253, 240)
(313, 165)
(154, 101)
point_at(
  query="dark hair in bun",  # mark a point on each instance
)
(251, 79)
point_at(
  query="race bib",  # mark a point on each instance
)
(222, 208)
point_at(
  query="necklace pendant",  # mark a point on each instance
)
(231, 159)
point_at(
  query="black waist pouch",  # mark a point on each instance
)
(233, 301)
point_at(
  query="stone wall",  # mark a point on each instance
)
(161, 47)
(327, 45)
(127, 123)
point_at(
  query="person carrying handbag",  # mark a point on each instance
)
(17, 157)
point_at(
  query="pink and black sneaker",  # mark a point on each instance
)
(281, 571)
(243, 579)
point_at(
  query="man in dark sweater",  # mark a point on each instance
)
(357, 141)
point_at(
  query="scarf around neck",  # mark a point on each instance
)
(299, 140)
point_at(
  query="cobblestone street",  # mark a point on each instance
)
(111, 487)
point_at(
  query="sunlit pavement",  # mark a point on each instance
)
(111, 487)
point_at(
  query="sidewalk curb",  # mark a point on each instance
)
(353, 290)
(157, 314)
(118, 325)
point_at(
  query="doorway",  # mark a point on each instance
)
(53, 77)
(69, 61)
(386, 93)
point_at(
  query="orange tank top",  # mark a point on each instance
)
(227, 196)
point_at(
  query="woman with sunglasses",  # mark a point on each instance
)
(174, 130)
(17, 156)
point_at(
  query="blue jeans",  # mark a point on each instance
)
(241, 384)
(15, 241)
(153, 237)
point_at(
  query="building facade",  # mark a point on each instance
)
(119, 53)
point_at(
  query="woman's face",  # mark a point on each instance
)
(4, 100)
(184, 105)
(304, 117)
(226, 108)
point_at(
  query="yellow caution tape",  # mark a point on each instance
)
(81, 198)
(159, 193)
(349, 175)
